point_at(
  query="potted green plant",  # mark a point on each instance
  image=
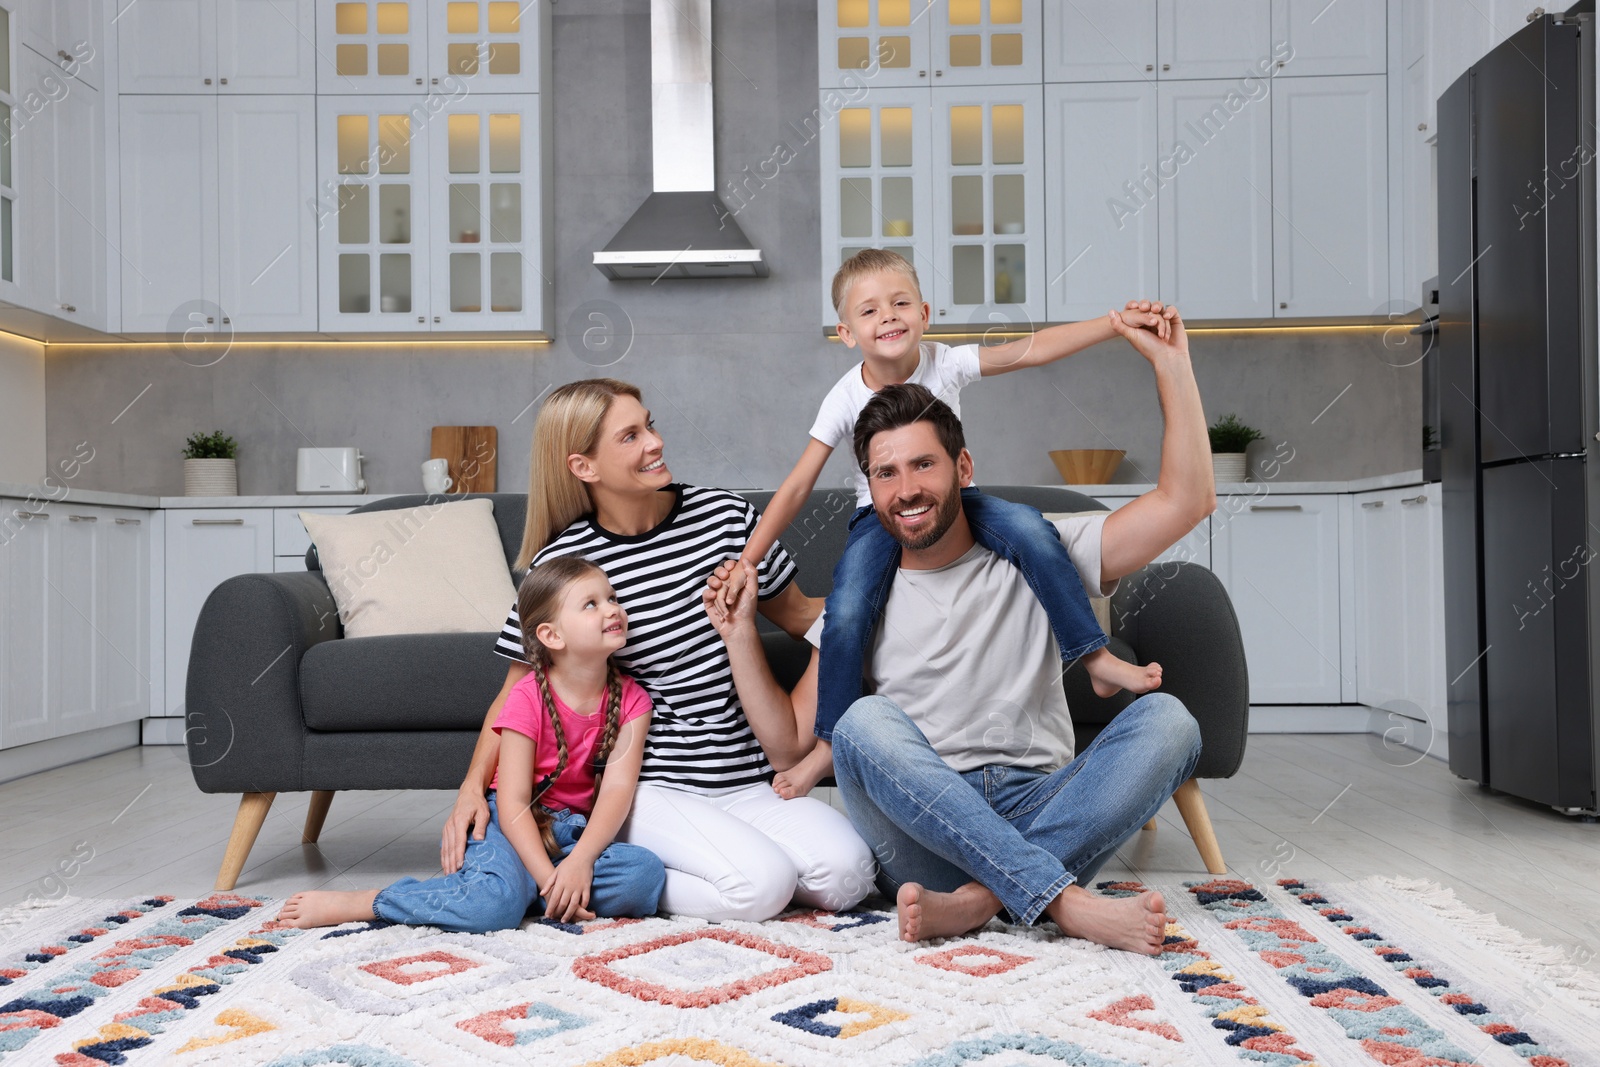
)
(1229, 440)
(210, 465)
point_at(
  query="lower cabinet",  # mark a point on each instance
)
(213, 545)
(1278, 557)
(75, 633)
(1399, 601)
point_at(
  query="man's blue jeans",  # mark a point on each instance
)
(1025, 834)
(866, 570)
(493, 890)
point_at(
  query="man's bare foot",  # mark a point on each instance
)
(327, 907)
(1134, 924)
(925, 914)
(1108, 674)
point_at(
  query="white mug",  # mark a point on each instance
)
(435, 476)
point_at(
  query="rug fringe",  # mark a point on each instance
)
(1550, 963)
(23, 910)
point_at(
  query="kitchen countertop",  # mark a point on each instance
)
(65, 491)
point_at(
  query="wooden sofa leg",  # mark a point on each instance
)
(253, 808)
(1151, 825)
(1192, 806)
(315, 815)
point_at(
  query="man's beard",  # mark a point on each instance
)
(946, 511)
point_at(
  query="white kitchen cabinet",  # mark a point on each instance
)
(215, 544)
(988, 207)
(1346, 37)
(75, 649)
(882, 43)
(290, 541)
(486, 46)
(1194, 547)
(25, 621)
(122, 573)
(373, 159)
(169, 192)
(12, 169)
(1330, 196)
(267, 229)
(1101, 228)
(1100, 41)
(212, 47)
(61, 158)
(69, 33)
(1419, 200)
(366, 47)
(1215, 186)
(1278, 557)
(987, 42)
(484, 240)
(877, 184)
(1212, 38)
(1399, 601)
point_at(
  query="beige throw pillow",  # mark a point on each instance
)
(436, 568)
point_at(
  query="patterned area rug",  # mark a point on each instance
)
(1383, 972)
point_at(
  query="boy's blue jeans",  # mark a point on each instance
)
(861, 580)
(493, 890)
(1025, 834)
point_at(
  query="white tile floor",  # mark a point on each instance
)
(1321, 806)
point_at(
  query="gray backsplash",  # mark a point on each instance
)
(732, 369)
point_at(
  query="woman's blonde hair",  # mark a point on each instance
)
(568, 423)
(538, 602)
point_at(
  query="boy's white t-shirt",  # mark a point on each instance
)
(942, 370)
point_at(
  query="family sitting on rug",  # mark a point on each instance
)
(656, 790)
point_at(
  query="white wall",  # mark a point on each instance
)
(21, 410)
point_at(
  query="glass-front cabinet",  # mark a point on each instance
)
(880, 195)
(8, 163)
(372, 157)
(446, 46)
(485, 267)
(987, 42)
(878, 42)
(989, 207)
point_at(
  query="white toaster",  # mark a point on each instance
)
(329, 470)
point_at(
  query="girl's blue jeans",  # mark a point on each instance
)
(494, 890)
(861, 581)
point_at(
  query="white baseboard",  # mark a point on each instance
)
(163, 730)
(59, 751)
(1309, 719)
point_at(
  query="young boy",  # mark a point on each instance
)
(882, 312)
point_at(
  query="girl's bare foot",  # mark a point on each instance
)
(925, 914)
(326, 907)
(1108, 674)
(1133, 924)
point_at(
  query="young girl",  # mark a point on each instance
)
(571, 741)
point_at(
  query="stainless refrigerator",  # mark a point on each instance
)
(1519, 403)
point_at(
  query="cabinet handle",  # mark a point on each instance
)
(210, 319)
(1149, 66)
(422, 318)
(1166, 66)
(83, 518)
(69, 308)
(1373, 503)
(433, 81)
(31, 514)
(226, 321)
(1422, 125)
(1280, 64)
(130, 522)
(436, 318)
(208, 81)
(938, 74)
(1420, 498)
(419, 81)
(225, 80)
(922, 74)
(66, 57)
(1275, 507)
(1283, 303)
(217, 522)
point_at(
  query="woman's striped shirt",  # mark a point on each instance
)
(699, 737)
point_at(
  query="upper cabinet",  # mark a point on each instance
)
(1100, 41)
(69, 34)
(1212, 38)
(1314, 37)
(987, 42)
(446, 46)
(217, 46)
(900, 43)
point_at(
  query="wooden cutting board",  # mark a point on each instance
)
(471, 451)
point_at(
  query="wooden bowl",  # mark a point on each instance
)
(1087, 466)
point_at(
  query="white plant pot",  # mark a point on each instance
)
(210, 477)
(1228, 466)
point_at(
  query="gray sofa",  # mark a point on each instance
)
(280, 701)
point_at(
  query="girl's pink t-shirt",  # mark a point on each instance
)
(523, 712)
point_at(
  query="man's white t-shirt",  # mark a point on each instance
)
(942, 370)
(966, 652)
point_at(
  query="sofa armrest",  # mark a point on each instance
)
(1179, 615)
(243, 724)
(787, 657)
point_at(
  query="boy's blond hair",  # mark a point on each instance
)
(865, 262)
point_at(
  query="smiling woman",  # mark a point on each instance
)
(600, 488)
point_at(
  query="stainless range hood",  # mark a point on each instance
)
(682, 230)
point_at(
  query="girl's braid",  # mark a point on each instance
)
(540, 817)
(608, 739)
